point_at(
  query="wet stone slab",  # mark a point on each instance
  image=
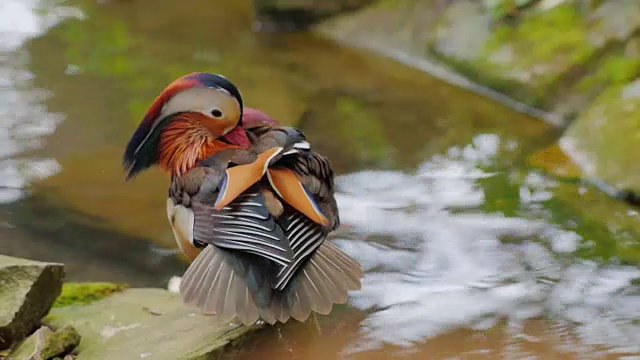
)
(150, 324)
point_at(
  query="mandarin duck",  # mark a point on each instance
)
(250, 205)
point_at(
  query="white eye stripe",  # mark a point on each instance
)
(220, 89)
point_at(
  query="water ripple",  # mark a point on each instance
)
(24, 121)
(432, 268)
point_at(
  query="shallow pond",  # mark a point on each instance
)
(471, 251)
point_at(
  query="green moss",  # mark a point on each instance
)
(620, 69)
(544, 47)
(615, 69)
(609, 230)
(529, 59)
(546, 36)
(84, 293)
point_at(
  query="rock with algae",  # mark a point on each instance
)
(151, 324)
(526, 58)
(27, 291)
(555, 55)
(604, 139)
(46, 344)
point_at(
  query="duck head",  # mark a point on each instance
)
(194, 117)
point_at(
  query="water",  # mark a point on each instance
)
(470, 252)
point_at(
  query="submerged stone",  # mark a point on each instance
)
(146, 324)
(46, 344)
(27, 291)
(556, 162)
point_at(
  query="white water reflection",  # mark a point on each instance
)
(24, 121)
(434, 264)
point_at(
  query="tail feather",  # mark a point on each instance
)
(331, 274)
(350, 268)
(317, 290)
(280, 308)
(337, 291)
(228, 302)
(214, 285)
(267, 315)
(247, 309)
(301, 304)
(191, 284)
(217, 283)
(329, 269)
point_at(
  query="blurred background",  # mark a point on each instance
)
(486, 154)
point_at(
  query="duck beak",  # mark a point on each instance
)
(237, 136)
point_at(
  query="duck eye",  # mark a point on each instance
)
(216, 113)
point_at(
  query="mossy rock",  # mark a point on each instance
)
(85, 293)
(557, 58)
(46, 344)
(604, 139)
(525, 58)
(27, 291)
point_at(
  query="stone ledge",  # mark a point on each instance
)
(151, 324)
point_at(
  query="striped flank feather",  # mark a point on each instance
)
(304, 238)
(244, 225)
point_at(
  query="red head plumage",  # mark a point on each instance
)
(141, 151)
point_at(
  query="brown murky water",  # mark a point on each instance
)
(470, 252)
